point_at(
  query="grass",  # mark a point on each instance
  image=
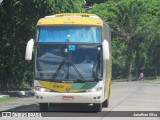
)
(7, 99)
(147, 79)
(119, 80)
(153, 79)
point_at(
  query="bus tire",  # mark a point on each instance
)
(97, 107)
(43, 106)
(106, 103)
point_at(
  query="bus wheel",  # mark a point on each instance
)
(106, 103)
(43, 106)
(97, 107)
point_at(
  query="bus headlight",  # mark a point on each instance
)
(41, 89)
(97, 89)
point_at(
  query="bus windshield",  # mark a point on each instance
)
(69, 34)
(66, 62)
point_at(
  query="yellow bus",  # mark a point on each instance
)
(72, 60)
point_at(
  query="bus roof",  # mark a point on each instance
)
(71, 19)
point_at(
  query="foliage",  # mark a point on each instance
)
(18, 19)
(118, 57)
(132, 20)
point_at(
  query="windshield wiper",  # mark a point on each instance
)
(72, 64)
(58, 69)
(81, 80)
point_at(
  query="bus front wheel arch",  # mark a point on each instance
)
(97, 107)
(105, 103)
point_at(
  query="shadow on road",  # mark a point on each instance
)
(57, 110)
(27, 108)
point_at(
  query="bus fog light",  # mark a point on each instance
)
(38, 88)
(94, 89)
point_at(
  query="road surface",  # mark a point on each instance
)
(141, 97)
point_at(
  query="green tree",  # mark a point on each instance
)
(18, 19)
(124, 17)
(119, 58)
(153, 49)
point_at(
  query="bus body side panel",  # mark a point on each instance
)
(107, 63)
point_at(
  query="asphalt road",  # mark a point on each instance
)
(127, 99)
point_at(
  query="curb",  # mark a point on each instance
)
(4, 96)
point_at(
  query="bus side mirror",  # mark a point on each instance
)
(29, 49)
(105, 46)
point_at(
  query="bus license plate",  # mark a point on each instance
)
(68, 98)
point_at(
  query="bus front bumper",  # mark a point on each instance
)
(52, 97)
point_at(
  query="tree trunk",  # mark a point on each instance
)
(155, 71)
(129, 75)
(156, 63)
(129, 61)
(137, 64)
